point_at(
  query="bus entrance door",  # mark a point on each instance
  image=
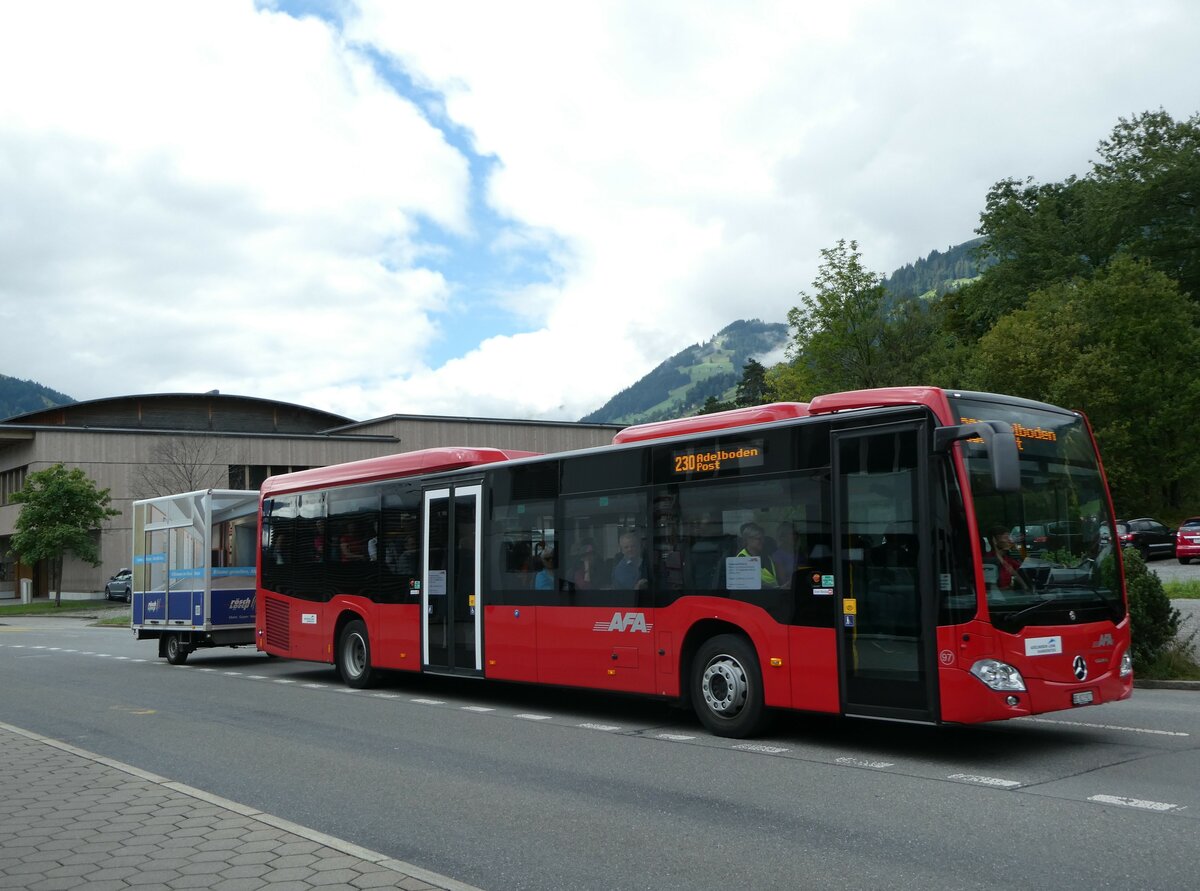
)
(886, 621)
(452, 613)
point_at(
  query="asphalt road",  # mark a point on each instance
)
(508, 787)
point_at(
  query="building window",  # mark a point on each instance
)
(11, 482)
(251, 476)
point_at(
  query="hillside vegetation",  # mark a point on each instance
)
(1090, 299)
(18, 397)
(681, 385)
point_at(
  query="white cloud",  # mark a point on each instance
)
(210, 195)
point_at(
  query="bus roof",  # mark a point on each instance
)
(737, 417)
(933, 397)
(388, 467)
(880, 397)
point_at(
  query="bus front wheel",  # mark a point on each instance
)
(354, 655)
(727, 687)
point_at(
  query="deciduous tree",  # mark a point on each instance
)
(62, 511)
(838, 330)
(1122, 347)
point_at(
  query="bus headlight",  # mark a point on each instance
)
(998, 675)
(1126, 664)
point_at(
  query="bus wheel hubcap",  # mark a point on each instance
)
(724, 686)
(356, 655)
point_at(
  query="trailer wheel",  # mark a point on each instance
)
(727, 687)
(176, 651)
(354, 655)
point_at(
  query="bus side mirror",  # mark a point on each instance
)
(1001, 444)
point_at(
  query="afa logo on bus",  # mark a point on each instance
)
(625, 622)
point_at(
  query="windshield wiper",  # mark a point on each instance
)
(1013, 617)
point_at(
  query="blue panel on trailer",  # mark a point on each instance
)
(179, 606)
(155, 606)
(233, 607)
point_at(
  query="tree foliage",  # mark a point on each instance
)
(1139, 199)
(1122, 347)
(752, 389)
(1153, 622)
(62, 511)
(838, 330)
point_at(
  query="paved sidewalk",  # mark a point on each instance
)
(72, 819)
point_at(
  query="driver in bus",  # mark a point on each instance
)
(1010, 575)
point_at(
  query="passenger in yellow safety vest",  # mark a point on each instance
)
(753, 539)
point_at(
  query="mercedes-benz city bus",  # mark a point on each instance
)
(853, 555)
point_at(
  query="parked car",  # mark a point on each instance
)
(1187, 540)
(1149, 536)
(1064, 535)
(119, 586)
(1031, 537)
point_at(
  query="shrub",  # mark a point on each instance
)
(1154, 623)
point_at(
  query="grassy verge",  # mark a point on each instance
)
(1182, 590)
(1175, 664)
(68, 607)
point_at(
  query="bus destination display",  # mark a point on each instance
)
(716, 458)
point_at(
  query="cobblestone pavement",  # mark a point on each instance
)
(72, 819)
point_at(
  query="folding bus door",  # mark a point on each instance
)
(452, 613)
(883, 572)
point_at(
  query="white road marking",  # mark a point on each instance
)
(608, 727)
(476, 708)
(1107, 727)
(1137, 802)
(862, 762)
(756, 747)
(674, 737)
(429, 701)
(983, 781)
(533, 717)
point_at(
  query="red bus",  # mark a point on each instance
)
(853, 555)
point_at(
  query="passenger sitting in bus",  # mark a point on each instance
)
(545, 579)
(1010, 574)
(352, 546)
(583, 574)
(787, 555)
(630, 571)
(753, 538)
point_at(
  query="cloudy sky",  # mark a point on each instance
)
(507, 209)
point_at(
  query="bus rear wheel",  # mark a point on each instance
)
(354, 655)
(727, 688)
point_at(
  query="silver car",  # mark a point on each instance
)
(119, 586)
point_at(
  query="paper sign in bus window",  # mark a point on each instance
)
(743, 573)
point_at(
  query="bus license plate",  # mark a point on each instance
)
(1084, 697)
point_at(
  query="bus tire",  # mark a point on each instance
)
(354, 655)
(175, 650)
(726, 687)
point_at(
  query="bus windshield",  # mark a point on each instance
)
(1048, 550)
